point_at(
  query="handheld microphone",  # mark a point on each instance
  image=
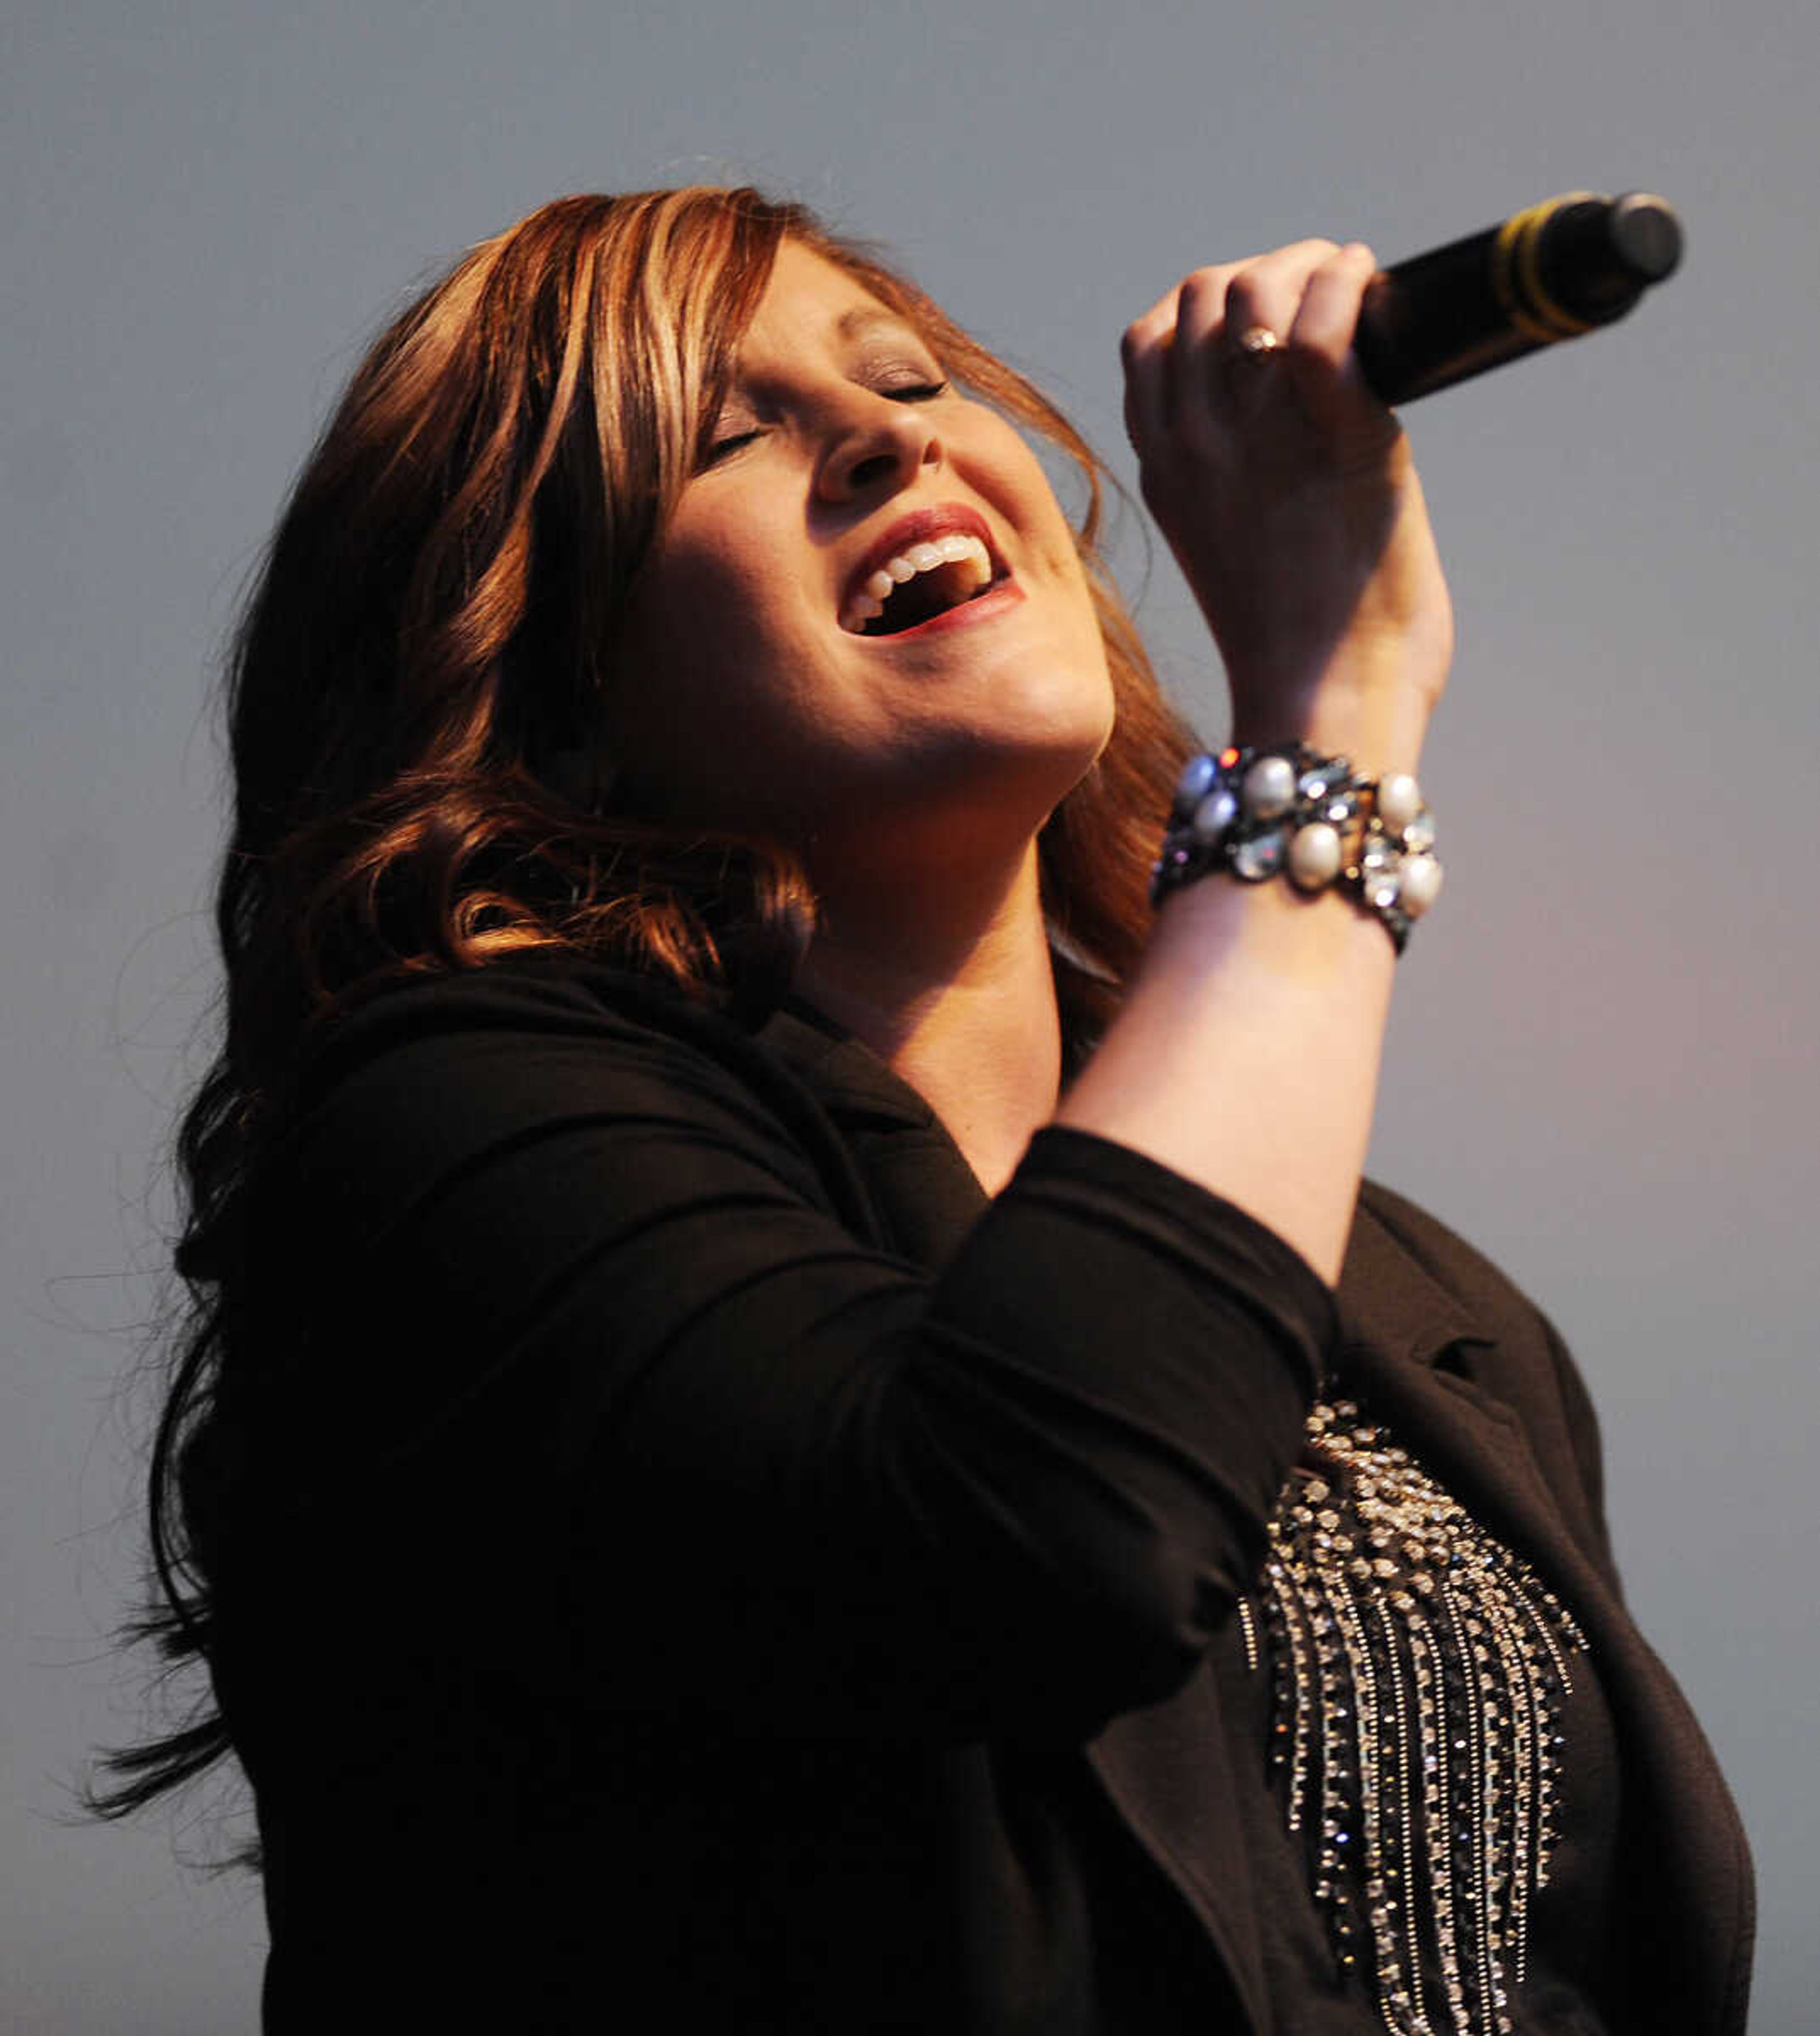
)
(1562, 268)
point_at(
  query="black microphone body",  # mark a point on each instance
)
(1562, 268)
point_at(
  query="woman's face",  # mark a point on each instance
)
(767, 686)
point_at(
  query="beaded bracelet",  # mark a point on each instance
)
(1287, 809)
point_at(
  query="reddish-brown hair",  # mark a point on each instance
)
(430, 644)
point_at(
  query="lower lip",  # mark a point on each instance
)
(1007, 593)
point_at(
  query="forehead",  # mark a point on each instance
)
(809, 302)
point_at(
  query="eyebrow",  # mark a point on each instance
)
(863, 317)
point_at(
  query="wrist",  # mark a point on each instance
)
(1283, 810)
(1339, 715)
(1372, 702)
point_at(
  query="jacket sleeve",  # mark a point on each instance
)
(547, 1306)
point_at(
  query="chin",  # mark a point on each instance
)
(1063, 708)
(1021, 775)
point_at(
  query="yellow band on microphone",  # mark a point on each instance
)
(1517, 279)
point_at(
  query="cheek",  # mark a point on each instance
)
(1022, 479)
(686, 621)
(725, 605)
(712, 667)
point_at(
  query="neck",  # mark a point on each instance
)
(956, 994)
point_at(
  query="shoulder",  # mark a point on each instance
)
(425, 1079)
(1420, 1286)
(531, 1025)
(1458, 1269)
(537, 995)
(1412, 1282)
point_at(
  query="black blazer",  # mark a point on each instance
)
(553, 1725)
(1472, 1378)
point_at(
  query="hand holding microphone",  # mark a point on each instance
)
(1254, 398)
(1288, 496)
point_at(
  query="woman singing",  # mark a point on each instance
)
(795, 1418)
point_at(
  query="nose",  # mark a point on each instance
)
(875, 447)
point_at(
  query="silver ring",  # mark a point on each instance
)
(1258, 342)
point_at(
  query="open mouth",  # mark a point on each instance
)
(920, 583)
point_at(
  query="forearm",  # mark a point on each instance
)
(1246, 1055)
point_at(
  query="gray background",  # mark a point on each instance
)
(1601, 1066)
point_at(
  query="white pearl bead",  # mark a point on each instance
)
(1269, 787)
(1399, 801)
(1214, 815)
(1314, 855)
(1421, 885)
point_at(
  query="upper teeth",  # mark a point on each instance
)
(953, 549)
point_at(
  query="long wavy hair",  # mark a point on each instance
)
(415, 697)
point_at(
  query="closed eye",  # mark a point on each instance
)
(912, 392)
(724, 448)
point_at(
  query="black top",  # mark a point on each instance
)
(696, 1558)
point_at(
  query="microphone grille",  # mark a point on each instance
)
(1645, 236)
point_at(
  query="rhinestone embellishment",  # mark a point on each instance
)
(1419, 1667)
(1256, 812)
